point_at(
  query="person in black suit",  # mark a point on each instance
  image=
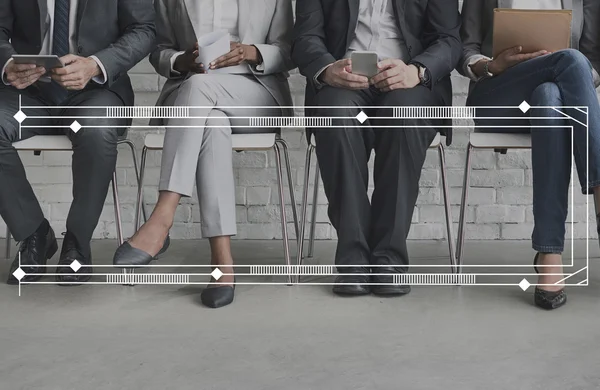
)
(98, 42)
(418, 45)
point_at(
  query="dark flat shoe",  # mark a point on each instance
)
(547, 300)
(126, 255)
(352, 285)
(388, 289)
(216, 297)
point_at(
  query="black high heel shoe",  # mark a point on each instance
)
(548, 300)
(216, 297)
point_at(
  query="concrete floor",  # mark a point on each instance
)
(301, 337)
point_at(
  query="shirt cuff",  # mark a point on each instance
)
(316, 81)
(102, 78)
(4, 80)
(173, 58)
(472, 61)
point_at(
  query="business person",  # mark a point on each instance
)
(98, 41)
(253, 73)
(418, 45)
(564, 78)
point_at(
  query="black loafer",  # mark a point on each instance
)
(127, 256)
(385, 285)
(352, 285)
(35, 250)
(216, 297)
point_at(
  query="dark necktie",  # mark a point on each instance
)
(60, 43)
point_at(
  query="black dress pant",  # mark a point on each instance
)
(372, 233)
(94, 158)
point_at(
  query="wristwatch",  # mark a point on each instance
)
(424, 75)
(486, 69)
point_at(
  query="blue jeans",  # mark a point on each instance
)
(560, 79)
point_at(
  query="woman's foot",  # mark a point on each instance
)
(550, 294)
(152, 237)
(221, 288)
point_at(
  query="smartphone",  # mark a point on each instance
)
(47, 61)
(364, 63)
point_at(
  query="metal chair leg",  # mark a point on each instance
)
(290, 179)
(286, 244)
(118, 222)
(463, 209)
(313, 220)
(447, 207)
(8, 243)
(304, 205)
(138, 204)
(137, 171)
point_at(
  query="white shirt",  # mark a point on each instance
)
(377, 30)
(517, 4)
(47, 41)
(218, 15)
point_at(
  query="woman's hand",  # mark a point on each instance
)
(511, 57)
(186, 62)
(239, 53)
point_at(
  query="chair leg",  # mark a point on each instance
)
(118, 222)
(463, 209)
(137, 172)
(313, 220)
(286, 244)
(8, 243)
(448, 208)
(288, 165)
(138, 204)
(299, 258)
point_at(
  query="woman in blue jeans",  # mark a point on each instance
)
(567, 78)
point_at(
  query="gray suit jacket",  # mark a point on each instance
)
(477, 29)
(267, 24)
(119, 32)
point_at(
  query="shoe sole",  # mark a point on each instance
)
(350, 293)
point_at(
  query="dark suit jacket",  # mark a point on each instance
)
(119, 32)
(431, 28)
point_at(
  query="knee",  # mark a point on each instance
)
(8, 129)
(330, 96)
(96, 139)
(547, 94)
(218, 125)
(573, 58)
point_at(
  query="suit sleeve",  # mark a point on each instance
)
(276, 52)
(590, 39)
(138, 32)
(167, 46)
(6, 24)
(442, 31)
(472, 35)
(309, 51)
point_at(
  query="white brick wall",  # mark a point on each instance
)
(499, 207)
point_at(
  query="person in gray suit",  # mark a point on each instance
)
(566, 78)
(418, 45)
(98, 42)
(253, 73)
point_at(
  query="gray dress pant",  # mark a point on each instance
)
(94, 159)
(199, 148)
(372, 233)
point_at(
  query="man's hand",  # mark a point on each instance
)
(186, 62)
(511, 57)
(339, 75)
(395, 74)
(77, 73)
(22, 76)
(238, 53)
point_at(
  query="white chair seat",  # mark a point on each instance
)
(45, 143)
(500, 141)
(434, 144)
(239, 141)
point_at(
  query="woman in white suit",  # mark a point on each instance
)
(198, 148)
